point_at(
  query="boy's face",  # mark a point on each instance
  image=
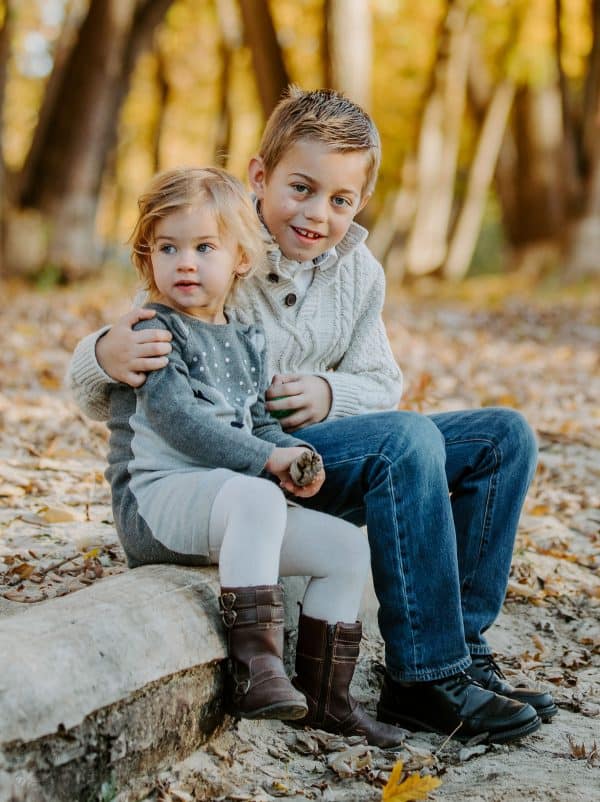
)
(311, 197)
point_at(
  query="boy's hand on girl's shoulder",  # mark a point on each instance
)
(127, 354)
(299, 399)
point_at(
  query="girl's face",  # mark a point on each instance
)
(194, 265)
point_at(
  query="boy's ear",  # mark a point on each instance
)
(256, 176)
(364, 200)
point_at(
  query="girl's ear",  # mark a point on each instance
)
(256, 176)
(243, 265)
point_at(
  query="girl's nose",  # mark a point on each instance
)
(187, 261)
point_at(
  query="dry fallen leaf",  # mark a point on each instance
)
(412, 788)
(58, 515)
(23, 570)
(11, 491)
(350, 761)
(576, 658)
(581, 752)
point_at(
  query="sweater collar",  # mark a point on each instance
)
(279, 263)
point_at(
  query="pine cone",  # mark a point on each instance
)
(305, 468)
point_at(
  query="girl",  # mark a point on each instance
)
(192, 451)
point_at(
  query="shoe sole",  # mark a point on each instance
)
(547, 713)
(283, 712)
(501, 737)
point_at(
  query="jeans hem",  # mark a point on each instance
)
(479, 648)
(429, 674)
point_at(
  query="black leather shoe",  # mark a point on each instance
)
(456, 704)
(486, 671)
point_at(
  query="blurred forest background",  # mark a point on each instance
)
(486, 218)
(489, 112)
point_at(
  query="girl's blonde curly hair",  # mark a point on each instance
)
(172, 190)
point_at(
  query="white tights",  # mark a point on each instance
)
(255, 537)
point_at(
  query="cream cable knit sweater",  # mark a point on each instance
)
(335, 331)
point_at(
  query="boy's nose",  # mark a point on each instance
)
(317, 210)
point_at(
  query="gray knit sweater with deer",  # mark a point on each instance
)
(203, 412)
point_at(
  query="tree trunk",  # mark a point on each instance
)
(466, 231)
(63, 173)
(530, 180)
(163, 91)
(571, 154)
(5, 26)
(231, 39)
(438, 146)
(350, 49)
(591, 100)
(584, 244)
(271, 75)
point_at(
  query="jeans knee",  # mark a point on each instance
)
(519, 438)
(416, 439)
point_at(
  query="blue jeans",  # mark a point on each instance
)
(441, 496)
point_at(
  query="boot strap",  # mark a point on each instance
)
(257, 605)
(232, 608)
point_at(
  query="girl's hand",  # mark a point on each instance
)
(306, 396)
(126, 355)
(279, 465)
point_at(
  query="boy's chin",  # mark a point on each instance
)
(304, 254)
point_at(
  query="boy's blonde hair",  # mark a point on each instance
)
(324, 116)
(172, 190)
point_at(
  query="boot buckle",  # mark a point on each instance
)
(228, 614)
(227, 600)
(241, 688)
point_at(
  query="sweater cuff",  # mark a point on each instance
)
(85, 371)
(344, 399)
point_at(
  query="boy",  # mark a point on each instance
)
(441, 495)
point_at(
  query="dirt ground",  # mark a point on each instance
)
(484, 346)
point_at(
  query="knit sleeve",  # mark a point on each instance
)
(185, 420)
(367, 378)
(88, 383)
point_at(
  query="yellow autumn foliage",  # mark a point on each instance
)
(411, 789)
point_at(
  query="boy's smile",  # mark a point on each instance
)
(311, 197)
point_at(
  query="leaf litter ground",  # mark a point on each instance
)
(480, 346)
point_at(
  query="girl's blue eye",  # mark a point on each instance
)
(204, 247)
(168, 249)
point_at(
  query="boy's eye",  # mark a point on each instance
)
(301, 188)
(338, 200)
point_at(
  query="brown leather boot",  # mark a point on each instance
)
(326, 657)
(257, 685)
